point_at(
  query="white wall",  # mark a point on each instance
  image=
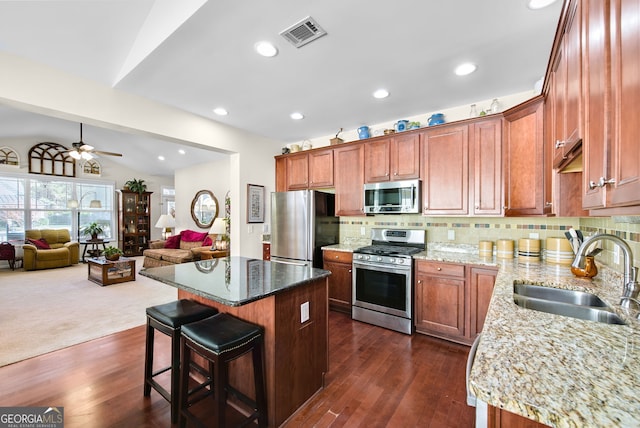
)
(36, 88)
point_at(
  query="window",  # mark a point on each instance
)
(53, 203)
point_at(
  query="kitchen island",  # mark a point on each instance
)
(290, 302)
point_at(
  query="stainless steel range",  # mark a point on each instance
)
(383, 278)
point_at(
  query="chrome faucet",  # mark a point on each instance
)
(630, 288)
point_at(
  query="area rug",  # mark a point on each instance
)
(42, 311)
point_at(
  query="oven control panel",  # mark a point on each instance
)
(383, 259)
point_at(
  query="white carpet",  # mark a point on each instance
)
(42, 311)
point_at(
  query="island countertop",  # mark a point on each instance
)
(234, 281)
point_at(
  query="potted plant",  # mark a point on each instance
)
(112, 253)
(94, 229)
(136, 185)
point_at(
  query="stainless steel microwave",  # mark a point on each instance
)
(394, 197)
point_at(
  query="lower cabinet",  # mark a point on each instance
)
(499, 418)
(339, 264)
(451, 300)
(266, 251)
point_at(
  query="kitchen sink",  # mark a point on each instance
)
(568, 303)
(579, 298)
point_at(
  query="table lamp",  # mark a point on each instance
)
(166, 222)
(219, 228)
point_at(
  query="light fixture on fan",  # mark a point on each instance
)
(85, 151)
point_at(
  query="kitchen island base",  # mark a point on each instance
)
(296, 351)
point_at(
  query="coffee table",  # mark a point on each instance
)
(104, 272)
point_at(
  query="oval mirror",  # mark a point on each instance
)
(204, 209)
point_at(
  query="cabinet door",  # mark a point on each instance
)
(405, 157)
(376, 161)
(500, 418)
(297, 171)
(281, 174)
(445, 171)
(486, 164)
(340, 281)
(321, 169)
(349, 180)
(481, 282)
(527, 184)
(625, 69)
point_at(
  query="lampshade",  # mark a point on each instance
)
(95, 204)
(72, 203)
(166, 221)
(218, 227)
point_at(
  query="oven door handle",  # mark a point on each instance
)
(382, 267)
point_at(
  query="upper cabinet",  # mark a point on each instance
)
(485, 167)
(392, 159)
(527, 183)
(349, 179)
(305, 170)
(612, 153)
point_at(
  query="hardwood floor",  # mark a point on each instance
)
(377, 378)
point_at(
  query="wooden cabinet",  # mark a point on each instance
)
(481, 282)
(500, 418)
(266, 251)
(451, 300)
(349, 179)
(486, 167)
(612, 153)
(445, 170)
(527, 182)
(440, 294)
(307, 170)
(135, 222)
(392, 159)
(340, 281)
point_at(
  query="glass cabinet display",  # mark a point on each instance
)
(135, 222)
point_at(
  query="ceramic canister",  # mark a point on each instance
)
(485, 248)
(504, 248)
(529, 249)
(559, 251)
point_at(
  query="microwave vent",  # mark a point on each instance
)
(303, 32)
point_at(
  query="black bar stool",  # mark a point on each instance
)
(168, 319)
(221, 339)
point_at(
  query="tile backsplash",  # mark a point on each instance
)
(471, 230)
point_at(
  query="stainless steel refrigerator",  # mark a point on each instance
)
(302, 222)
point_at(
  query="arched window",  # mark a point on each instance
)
(8, 156)
(51, 159)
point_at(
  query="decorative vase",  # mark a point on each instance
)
(113, 257)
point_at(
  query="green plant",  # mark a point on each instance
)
(112, 251)
(93, 229)
(136, 185)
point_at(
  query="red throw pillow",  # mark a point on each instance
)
(172, 242)
(191, 236)
(207, 242)
(40, 244)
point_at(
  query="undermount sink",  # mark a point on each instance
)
(568, 303)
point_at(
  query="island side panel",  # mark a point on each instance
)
(302, 351)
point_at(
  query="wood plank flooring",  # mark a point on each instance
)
(377, 378)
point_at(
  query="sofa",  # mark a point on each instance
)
(49, 248)
(181, 248)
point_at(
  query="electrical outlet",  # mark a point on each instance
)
(304, 312)
(534, 235)
(363, 231)
(616, 254)
(250, 229)
(451, 234)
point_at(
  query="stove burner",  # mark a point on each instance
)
(388, 250)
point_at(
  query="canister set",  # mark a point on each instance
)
(558, 250)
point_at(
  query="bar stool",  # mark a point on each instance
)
(221, 339)
(168, 319)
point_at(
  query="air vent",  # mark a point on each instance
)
(303, 32)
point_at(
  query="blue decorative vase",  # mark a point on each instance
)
(436, 119)
(401, 125)
(363, 132)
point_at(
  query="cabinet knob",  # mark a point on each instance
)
(349, 270)
(601, 183)
(419, 281)
(548, 204)
(395, 173)
(439, 269)
(336, 257)
(559, 144)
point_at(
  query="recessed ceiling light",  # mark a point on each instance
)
(182, 152)
(220, 111)
(466, 68)
(381, 93)
(296, 116)
(266, 49)
(539, 4)
(161, 157)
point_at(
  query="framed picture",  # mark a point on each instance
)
(255, 203)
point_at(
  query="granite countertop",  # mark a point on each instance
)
(234, 281)
(560, 371)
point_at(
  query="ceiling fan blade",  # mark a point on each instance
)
(98, 152)
(86, 147)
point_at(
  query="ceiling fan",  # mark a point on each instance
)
(84, 151)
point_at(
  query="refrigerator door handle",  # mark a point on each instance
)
(289, 262)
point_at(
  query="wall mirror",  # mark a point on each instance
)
(204, 209)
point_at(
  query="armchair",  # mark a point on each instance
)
(62, 252)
